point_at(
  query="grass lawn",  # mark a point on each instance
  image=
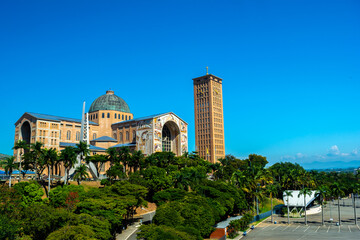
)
(266, 204)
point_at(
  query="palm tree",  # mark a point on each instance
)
(9, 166)
(113, 156)
(136, 158)
(68, 157)
(272, 189)
(322, 192)
(21, 144)
(82, 148)
(355, 190)
(288, 194)
(50, 158)
(305, 191)
(124, 156)
(337, 191)
(81, 173)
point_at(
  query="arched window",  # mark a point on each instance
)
(103, 115)
(114, 136)
(126, 118)
(115, 115)
(77, 136)
(118, 116)
(122, 117)
(134, 136)
(166, 139)
(68, 135)
(96, 116)
(127, 136)
(108, 115)
(94, 136)
(121, 137)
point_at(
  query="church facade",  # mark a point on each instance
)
(111, 124)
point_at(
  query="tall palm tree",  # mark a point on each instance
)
(355, 190)
(288, 194)
(9, 166)
(136, 158)
(50, 158)
(272, 189)
(305, 191)
(112, 155)
(81, 173)
(337, 191)
(68, 157)
(322, 192)
(21, 145)
(82, 148)
(124, 156)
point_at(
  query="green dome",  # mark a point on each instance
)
(109, 101)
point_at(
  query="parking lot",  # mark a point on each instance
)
(297, 229)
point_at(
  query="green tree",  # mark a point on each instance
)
(81, 173)
(100, 226)
(59, 195)
(305, 191)
(154, 232)
(156, 179)
(21, 145)
(50, 158)
(288, 194)
(323, 192)
(83, 232)
(338, 192)
(272, 190)
(9, 166)
(137, 158)
(30, 192)
(34, 159)
(69, 157)
(8, 228)
(98, 161)
(82, 148)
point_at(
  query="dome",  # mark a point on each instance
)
(109, 101)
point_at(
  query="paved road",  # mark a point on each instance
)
(131, 232)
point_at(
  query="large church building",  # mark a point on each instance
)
(111, 124)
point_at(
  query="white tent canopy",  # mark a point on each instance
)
(298, 201)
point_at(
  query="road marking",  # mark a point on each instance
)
(317, 229)
(286, 227)
(275, 227)
(349, 228)
(328, 229)
(296, 228)
(266, 227)
(306, 229)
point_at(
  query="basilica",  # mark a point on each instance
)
(110, 125)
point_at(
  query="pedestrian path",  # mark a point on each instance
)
(126, 234)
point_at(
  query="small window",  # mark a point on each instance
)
(123, 117)
(127, 136)
(118, 116)
(114, 136)
(94, 136)
(96, 116)
(77, 136)
(103, 115)
(115, 115)
(108, 115)
(68, 135)
(121, 136)
(134, 136)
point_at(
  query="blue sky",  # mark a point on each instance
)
(290, 69)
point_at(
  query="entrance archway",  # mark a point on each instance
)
(26, 132)
(171, 138)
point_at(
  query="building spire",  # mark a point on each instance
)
(207, 70)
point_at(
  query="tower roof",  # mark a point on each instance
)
(109, 101)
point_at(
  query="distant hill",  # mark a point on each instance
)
(331, 165)
(2, 156)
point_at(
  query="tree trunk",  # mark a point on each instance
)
(20, 170)
(49, 180)
(305, 209)
(339, 210)
(10, 180)
(272, 211)
(322, 211)
(288, 211)
(354, 199)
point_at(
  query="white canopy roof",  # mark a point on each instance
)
(298, 201)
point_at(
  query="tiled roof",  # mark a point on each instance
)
(91, 147)
(124, 145)
(56, 118)
(104, 139)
